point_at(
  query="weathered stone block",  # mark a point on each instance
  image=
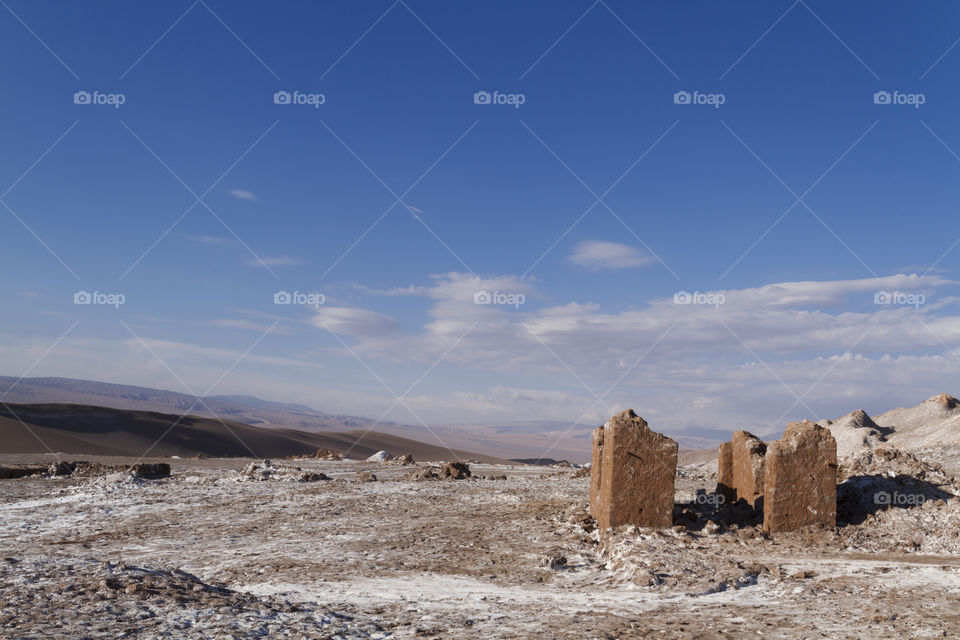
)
(637, 471)
(800, 479)
(747, 452)
(725, 473)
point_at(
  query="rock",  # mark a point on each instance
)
(366, 476)
(320, 454)
(637, 470)
(404, 460)
(946, 401)
(379, 456)
(455, 471)
(314, 477)
(258, 471)
(424, 473)
(12, 473)
(148, 470)
(800, 483)
(61, 468)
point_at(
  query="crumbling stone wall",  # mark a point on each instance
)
(596, 472)
(725, 472)
(632, 474)
(792, 481)
(748, 466)
(740, 465)
(800, 483)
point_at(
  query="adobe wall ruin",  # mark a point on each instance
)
(792, 481)
(632, 474)
(800, 484)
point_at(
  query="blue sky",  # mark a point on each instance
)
(795, 202)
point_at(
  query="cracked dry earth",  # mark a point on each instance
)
(205, 554)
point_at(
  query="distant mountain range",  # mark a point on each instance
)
(532, 440)
(526, 440)
(247, 409)
(933, 423)
(76, 429)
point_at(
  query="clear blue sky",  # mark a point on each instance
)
(498, 194)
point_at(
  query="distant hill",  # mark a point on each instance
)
(519, 440)
(92, 430)
(247, 409)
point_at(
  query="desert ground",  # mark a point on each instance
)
(239, 549)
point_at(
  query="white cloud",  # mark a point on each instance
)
(691, 366)
(358, 323)
(681, 366)
(242, 195)
(598, 254)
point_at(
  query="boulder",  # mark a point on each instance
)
(150, 470)
(61, 468)
(366, 476)
(800, 479)
(313, 477)
(455, 471)
(637, 471)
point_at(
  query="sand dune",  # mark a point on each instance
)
(91, 430)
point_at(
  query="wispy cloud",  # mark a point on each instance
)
(598, 254)
(276, 261)
(859, 353)
(216, 240)
(242, 195)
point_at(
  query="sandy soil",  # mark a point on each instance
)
(211, 553)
